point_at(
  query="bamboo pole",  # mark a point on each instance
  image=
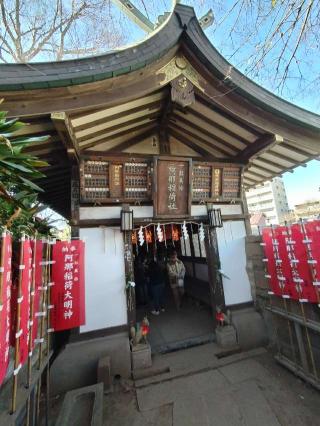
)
(42, 325)
(49, 330)
(17, 328)
(3, 248)
(303, 312)
(31, 314)
(284, 301)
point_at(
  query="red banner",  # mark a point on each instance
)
(270, 254)
(22, 298)
(36, 291)
(301, 272)
(68, 291)
(293, 261)
(5, 272)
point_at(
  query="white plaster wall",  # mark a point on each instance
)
(231, 243)
(113, 212)
(105, 278)
(201, 209)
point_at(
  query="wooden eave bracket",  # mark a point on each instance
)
(259, 147)
(64, 129)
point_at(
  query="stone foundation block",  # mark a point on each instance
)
(104, 373)
(226, 336)
(141, 356)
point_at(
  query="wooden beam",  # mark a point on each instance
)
(227, 114)
(110, 114)
(297, 150)
(257, 147)
(268, 162)
(203, 141)
(164, 140)
(125, 132)
(256, 178)
(283, 157)
(216, 125)
(133, 141)
(206, 133)
(258, 175)
(64, 130)
(127, 122)
(182, 138)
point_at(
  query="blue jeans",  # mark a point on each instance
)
(158, 297)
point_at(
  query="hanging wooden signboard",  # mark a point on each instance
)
(172, 187)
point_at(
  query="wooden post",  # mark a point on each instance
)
(75, 201)
(129, 274)
(245, 210)
(17, 328)
(215, 279)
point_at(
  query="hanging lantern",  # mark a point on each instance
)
(134, 238)
(201, 232)
(148, 236)
(215, 218)
(175, 233)
(126, 220)
(159, 233)
(185, 231)
(141, 236)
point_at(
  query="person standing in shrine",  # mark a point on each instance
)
(176, 272)
(157, 279)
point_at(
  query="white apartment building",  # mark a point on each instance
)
(270, 199)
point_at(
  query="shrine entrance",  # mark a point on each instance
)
(193, 324)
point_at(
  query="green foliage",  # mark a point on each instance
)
(18, 170)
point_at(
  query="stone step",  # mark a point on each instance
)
(207, 364)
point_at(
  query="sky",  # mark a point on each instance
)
(303, 184)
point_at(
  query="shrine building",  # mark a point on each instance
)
(151, 148)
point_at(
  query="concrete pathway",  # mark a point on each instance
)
(248, 389)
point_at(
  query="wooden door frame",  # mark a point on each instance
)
(214, 274)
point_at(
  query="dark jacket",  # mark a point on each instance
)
(156, 274)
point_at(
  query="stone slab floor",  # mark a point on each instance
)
(193, 324)
(244, 389)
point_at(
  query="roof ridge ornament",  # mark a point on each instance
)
(185, 14)
(177, 67)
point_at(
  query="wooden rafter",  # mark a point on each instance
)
(215, 125)
(268, 162)
(205, 133)
(184, 139)
(227, 115)
(297, 150)
(111, 138)
(104, 133)
(81, 121)
(205, 142)
(133, 141)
